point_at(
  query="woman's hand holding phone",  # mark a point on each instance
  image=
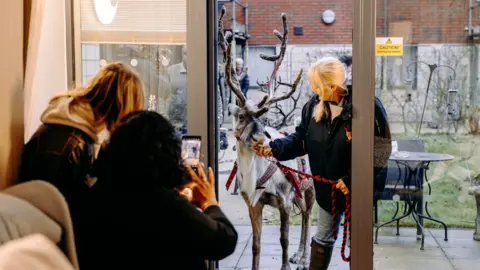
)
(203, 188)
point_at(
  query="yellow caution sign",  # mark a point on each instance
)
(389, 46)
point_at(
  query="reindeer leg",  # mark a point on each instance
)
(301, 247)
(284, 228)
(306, 218)
(256, 220)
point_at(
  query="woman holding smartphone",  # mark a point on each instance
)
(144, 222)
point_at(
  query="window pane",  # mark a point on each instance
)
(309, 40)
(150, 36)
(428, 191)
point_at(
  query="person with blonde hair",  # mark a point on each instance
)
(62, 150)
(324, 133)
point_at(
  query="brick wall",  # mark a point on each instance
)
(433, 21)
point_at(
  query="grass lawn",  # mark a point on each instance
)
(450, 181)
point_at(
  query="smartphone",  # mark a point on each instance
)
(191, 150)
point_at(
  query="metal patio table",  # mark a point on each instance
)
(413, 161)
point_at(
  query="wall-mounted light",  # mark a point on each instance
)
(328, 17)
(105, 10)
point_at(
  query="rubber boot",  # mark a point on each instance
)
(320, 256)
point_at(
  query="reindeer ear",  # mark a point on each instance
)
(233, 109)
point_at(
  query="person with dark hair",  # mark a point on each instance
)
(144, 220)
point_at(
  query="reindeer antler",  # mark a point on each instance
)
(278, 59)
(272, 84)
(284, 116)
(288, 94)
(222, 36)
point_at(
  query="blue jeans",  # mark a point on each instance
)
(324, 235)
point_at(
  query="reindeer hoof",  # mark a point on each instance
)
(295, 259)
(285, 267)
(303, 264)
(302, 267)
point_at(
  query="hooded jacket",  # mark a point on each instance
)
(62, 152)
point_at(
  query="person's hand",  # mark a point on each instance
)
(186, 192)
(203, 189)
(341, 185)
(262, 150)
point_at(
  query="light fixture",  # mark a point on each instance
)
(328, 16)
(105, 10)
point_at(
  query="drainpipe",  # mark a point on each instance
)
(384, 58)
(385, 16)
(290, 66)
(246, 34)
(470, 26)
(234, 54)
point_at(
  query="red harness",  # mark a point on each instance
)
(292, 177)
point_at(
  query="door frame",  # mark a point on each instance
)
(364, 68)
(363, 46)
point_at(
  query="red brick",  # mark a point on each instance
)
(434, 21)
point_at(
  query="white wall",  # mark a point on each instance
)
(50, 73)
(11, 90)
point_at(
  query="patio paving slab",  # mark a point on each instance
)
(391, 253)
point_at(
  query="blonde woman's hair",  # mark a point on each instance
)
(115, 91)
(328, 76)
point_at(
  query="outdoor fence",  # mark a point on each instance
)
(401, 82)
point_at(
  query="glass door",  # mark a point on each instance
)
(274, 230)
(426, 200)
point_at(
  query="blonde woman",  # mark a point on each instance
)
(62, 150)
(325, 135)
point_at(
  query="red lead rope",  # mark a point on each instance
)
(348, 214)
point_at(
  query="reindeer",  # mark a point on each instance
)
(261, 182)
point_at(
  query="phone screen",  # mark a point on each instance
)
(191, 149)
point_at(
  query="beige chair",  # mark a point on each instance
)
(33, 252)
(48, 199)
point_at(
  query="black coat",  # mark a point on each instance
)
(328, 149)
(156, 229)
(62, 156)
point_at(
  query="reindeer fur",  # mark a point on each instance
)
(278, 193)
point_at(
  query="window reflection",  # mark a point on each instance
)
(162, 68)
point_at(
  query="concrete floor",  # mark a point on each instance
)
(393, 252)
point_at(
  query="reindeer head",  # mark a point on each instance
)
(249, 127)
(248, 115)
